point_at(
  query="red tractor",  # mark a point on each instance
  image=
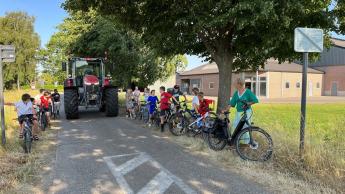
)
(88, 86)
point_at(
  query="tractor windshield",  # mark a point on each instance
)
(88, 68)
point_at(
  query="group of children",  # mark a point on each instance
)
(29, 107)
(199, 104)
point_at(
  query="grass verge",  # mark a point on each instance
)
(19, 171)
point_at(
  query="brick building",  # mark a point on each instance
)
(332, 62)
(325, 77)
(274, 81)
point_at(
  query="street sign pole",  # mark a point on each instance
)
(303, 102)
(306, 40)
(3, 132)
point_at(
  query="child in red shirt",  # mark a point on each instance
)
(164, 105)
(203, 104)
(45, 105)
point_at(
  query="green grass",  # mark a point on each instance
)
(324, 138)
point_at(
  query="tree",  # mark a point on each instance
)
(17, 28)
(237, 35)
(59, 46)
(128, 59)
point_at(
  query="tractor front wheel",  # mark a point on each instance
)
(111, 102)
(71, 103)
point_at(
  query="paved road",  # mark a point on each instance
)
(96, 154)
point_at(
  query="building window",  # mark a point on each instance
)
(287, 85)
(298, 85)
(318, 85)
(196, 83)
(211, 85)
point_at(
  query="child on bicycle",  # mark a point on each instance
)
(24, 110)
(195, 101)
(152, 101)
(203, 104)
(130, 102)
(136, 94)
(46, 105)
(164, 105)
(56, 101)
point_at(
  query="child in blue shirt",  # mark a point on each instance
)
(152, 100)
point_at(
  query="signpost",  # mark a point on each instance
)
(307, 40)
(7, 54)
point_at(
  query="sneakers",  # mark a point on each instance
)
(35, 138)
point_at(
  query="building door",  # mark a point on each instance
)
(334, 91)
(310, 88)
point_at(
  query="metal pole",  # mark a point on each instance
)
(2, 102)
(257, 84)
(303, 102)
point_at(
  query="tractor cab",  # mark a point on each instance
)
(86, 77)
(80, 69)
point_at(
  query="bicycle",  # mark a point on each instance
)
(181, 119)
(155, 119)
(27, 135)
(43, 120)
(143, 114)
(132, 109)
(254, 140)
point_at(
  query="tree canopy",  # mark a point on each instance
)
(128, 58)
(17, 28)
(237, 35)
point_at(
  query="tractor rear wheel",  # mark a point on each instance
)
(111, 102)
(71, 103)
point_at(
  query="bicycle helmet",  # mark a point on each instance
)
(176, 87)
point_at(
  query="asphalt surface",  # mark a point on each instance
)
(98, 154)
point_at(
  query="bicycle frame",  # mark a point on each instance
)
(238, 129)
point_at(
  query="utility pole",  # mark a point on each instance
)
(7, 54)
(2, 111)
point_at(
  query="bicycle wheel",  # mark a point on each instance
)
(216, 141)
(27, 141)
(255, 144)
(177, 125)
(43, 121)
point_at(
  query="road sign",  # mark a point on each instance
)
(7, 54)
(308, 40)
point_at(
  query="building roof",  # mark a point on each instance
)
(338, 42)
(271, 65)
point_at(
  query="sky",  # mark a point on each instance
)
(49, 14)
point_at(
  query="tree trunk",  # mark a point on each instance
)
(224, 59)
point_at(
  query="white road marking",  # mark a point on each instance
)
(132, 164)
(158, 185)
(118, 176)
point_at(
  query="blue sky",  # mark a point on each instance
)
(49, 14)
